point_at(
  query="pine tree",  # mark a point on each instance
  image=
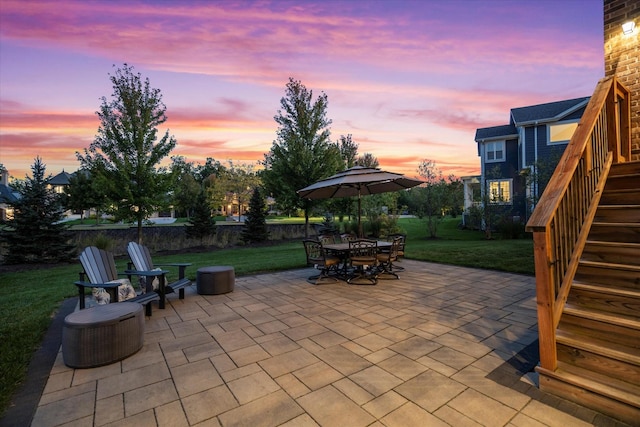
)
(201, 223)
(255, 224)
(36, 233)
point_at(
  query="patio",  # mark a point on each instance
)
(443, 346)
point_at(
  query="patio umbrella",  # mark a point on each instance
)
(358, 181)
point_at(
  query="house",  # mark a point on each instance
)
(7, 195)
(518, 158)
(60, 181)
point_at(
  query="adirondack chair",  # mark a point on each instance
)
(141, 260)
(100, 268)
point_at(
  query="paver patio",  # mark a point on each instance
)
(441, 346)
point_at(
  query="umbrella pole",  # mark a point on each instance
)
(360, 232)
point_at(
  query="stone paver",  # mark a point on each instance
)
(281, 352)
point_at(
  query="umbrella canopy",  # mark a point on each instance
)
(358, 181)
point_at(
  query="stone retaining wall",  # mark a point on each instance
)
(173, 238)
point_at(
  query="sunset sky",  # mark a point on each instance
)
(408, 79)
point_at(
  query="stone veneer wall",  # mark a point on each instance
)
(173, 238)
(622, 57)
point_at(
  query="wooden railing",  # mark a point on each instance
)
(562, 218)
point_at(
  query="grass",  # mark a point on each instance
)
(29, 299)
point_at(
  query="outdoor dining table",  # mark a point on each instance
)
(341, 250)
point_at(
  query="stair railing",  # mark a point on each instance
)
(562, 218)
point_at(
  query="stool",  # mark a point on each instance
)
(102, 334)
(215, 280)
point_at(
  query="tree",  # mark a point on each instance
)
(85, 192)
(302, 153)
(368, 160)
(126, 151)
(255, 225)
(185, 187)
(348, 150)
(201, 224)
(36, 233)
(434, 194)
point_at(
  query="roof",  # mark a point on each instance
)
(496, 132)
(549, 112)
(533, 114)
(7, 195)
(61, 179)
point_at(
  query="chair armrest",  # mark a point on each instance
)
(82, 284)
(150, 273)
(175, 264)
(181, 265)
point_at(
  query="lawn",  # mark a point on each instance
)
(28, 299)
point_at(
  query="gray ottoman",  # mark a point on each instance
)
(103, 334)
(215, 280)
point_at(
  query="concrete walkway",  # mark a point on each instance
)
(441, 346)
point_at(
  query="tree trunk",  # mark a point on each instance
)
(139, 230)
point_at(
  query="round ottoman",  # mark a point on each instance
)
(215, 280)
(103, 334)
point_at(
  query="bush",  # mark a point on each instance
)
(510, 228)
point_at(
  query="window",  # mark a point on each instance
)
(561, 133)
(494, 151)
(499, 191)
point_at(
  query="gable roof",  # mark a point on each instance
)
(496, 133)
(549, 112)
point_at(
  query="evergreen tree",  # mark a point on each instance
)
(255, 224)
(201, 223)
(36, 233)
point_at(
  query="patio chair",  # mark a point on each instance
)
(318, 258)
(348, 237)
(363, 259)
(141, 260)
(327, 239)
(403, 238)
(100, 268)
(386, 260)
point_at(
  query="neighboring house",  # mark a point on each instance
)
(59, 182)
(517, 159)
(7, 195)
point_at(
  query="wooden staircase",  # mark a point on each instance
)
(598, 335)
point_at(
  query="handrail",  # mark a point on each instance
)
(562, 218)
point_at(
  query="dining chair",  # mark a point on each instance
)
(347, 237)
(403, 239)
(326, 239)
(318, 258)
(386, 260)
(363, 260)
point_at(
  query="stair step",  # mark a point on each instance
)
(587, 327)
(605, 348)
(626, 321)
(622, 181)
(618, 213)
(602, 385)
(608, 274)
(615, 252)
(626, 168)
(617, 197)
(608, 299)
(626, 232)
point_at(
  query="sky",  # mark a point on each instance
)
(409, 80)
